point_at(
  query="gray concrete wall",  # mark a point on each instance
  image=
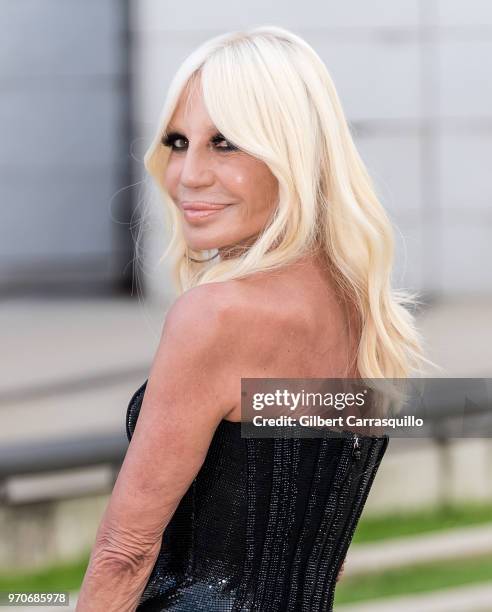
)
(64, 149)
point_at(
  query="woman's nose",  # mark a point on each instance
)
(196, 170)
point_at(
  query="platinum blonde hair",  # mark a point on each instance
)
(268, 92)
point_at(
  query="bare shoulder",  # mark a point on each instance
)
(232, 302)
(208, 300)
(207, 315)
(238, 320)
(198, 349)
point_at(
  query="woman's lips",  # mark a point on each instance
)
(199, 210)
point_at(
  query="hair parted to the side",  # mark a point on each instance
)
(268, 92)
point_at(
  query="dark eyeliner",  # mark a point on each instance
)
(168, 140)
(219, 138)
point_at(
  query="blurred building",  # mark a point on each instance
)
(64, 152)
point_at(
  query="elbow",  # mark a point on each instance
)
(120, 554)
(118, 568)
(120, 563)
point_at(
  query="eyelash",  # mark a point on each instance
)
(169, 140)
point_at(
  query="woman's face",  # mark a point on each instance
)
(224, 195)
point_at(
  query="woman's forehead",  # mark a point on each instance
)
(191, 109)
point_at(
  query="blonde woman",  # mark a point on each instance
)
(282, 256)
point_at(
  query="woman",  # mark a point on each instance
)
(255, 160)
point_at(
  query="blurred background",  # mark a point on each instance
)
(83, 301)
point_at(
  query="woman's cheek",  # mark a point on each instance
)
(171, 177)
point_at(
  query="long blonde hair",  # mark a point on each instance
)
(267, 91)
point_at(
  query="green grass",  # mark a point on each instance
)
(414, 579)
(69, 576)
(372, 529)
(66, 577)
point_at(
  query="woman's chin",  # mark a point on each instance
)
(201, 246)
(202, 243)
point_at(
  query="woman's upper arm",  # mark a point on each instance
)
(189, 391)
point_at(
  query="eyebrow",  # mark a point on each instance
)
(172, 128)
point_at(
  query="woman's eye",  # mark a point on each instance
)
(174, 141)
(219, 140)
(179, 143)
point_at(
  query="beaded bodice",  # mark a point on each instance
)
(265, 524)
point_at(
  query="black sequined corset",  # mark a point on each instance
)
(265, 524)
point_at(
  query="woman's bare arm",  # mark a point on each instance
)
(190, 389)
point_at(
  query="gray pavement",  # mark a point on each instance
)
(70, 366)
(471, 598)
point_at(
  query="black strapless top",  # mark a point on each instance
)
(265, 524)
